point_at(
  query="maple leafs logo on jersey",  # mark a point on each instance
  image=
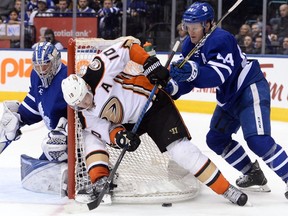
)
(204, 8)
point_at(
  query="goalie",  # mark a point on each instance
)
(111, 101)
(44, 101)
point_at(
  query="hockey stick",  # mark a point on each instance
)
(203, 39)
(96, 203)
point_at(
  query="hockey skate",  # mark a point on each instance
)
(91, 192)
(254, 180)
(236, 196)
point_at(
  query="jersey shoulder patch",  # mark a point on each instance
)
(96, 64)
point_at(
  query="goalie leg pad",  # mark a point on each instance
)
(43, 176)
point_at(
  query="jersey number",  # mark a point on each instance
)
(111, 54)
(228, 59)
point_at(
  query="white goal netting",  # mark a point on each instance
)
(144, 176)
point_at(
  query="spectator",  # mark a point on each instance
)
(84, 9)
(31, 6)
(42, 7)
(274, 43)
(63, 9)
(137, 11)
(258, 46)
(5, 7)
(280, 25)
(182, 34)
(256, 31)
(284, 49)
(49, 36)
(95, 5)
(17, 6)
(248, 44)
(13, 17)
(245, 30)
(109, 26)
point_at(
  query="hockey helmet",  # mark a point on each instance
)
(46, 60)
(74, 90)
(198, 12)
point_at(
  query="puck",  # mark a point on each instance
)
(166, 204)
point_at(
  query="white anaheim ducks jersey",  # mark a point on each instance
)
(118, 97)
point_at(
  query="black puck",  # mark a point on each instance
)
(166, 204)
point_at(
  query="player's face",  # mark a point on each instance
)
(87, 102)
(43, 69)
(196, 31)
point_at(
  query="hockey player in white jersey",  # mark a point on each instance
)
(44, 102)
(111, 101)
(243, 97)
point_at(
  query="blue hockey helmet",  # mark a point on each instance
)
(198, 12)
(46, 60)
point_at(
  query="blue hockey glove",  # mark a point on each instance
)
(172, 87)
(187, 73)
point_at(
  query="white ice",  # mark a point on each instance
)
(14, 200)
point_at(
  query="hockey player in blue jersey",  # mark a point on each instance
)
(242, 93)
(44, 101)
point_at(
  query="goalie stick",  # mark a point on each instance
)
(203, 39)
(94, 204)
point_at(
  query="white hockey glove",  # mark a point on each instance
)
(54, 146)
(187, 73)
(10, 122)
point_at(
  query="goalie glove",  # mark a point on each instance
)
(10, 122)
(54, 146)
(187, 73)
(3, 141)
(155, 72)
(120, 137)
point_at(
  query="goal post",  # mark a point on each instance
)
(145, 175)
(71, 125)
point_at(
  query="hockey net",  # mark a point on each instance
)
(145, 175)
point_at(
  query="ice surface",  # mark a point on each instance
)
(14, 200)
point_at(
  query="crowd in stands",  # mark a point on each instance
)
(143, 15)
(250, 38)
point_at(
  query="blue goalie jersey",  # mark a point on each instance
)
(223, 65)
(45, 104)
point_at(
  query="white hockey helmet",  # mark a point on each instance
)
(74, 90)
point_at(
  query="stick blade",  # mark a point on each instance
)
(176, 45)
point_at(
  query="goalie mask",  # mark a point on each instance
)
(198, 13)
(77, 93)
(46, 61)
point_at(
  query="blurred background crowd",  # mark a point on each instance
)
(150, 20)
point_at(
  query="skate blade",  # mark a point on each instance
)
(76, 207)
(257, 188)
